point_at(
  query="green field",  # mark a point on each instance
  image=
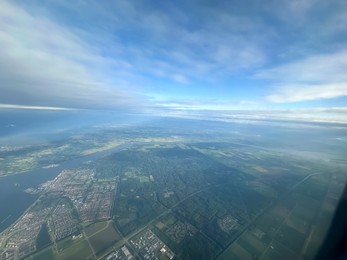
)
(92, 229)
(104, 238)
(199, 247)
(77, 250)
(224, 197)
(44, 254)
(235, 251)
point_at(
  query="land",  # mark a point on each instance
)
(176, 195)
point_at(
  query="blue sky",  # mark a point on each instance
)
(155, 56)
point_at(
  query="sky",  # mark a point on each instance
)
(164, 56)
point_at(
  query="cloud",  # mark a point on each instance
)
(203, 105)
(329, 67)
(168, 38)
(316, 77)
(119, 54)
(10, 106)
(52, 55)
(45, 64)
(297, 93)
(314, 115)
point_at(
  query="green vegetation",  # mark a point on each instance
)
(212, 197)
(104, 238)
(251, 244)
(44, 254)
(66, 243)
(245, 212)
(93, 228)
(78, 250)
(199, 247)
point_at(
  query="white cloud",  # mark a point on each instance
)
(316, 77)
(77, 60)
(297, 93)
(10, 106)
(45, 64)
(330, 67)
(204, 105)
(312, 115)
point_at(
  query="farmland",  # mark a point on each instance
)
(216, 196)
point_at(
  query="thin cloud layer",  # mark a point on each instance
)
(329, 67)
(297, 93)
(136, 55)
(9, 106)
(45, 64)
(312, 78)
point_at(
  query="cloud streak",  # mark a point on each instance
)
(122, 54)
(297, 93)
(312, 78)
(44, 64)
(10, 106)
(337, 115)
(330, 67)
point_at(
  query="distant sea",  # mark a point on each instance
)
(20, 127)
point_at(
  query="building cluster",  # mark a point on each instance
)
(62, 222)
(97, 201)
(91, 197)
(73, 196)
(179, 231)
(228, 223)
(20, 239)
(150, 246)
(120, 254)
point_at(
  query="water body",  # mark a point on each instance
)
(43, 238)
(13, 198)
(23, 127)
